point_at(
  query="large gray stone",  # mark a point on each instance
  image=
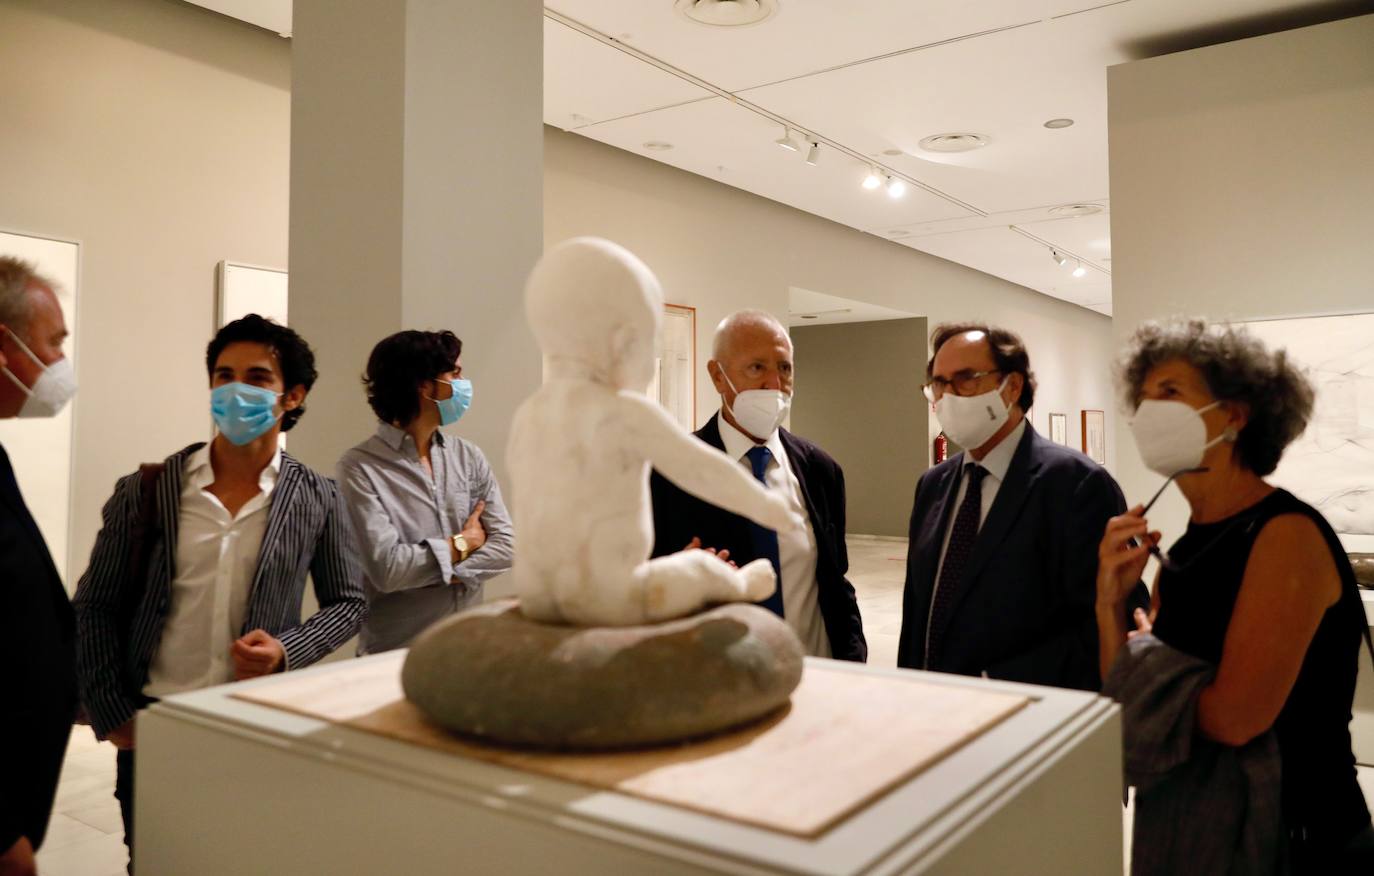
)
(492, 673)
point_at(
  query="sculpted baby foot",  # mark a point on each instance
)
(759, 580)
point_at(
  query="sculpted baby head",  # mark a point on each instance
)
(595, 307)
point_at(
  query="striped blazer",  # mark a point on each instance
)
(307, 533)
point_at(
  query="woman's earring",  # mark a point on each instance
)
(1230, 434)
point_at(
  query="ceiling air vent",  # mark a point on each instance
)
(727, 13)
(953, 142)
(1071, 210)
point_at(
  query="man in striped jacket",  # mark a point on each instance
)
(199, 570)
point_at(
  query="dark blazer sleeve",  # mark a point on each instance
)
(1071, 654)
(337, 574)
(911, 639)
(839, 603)
(101, 645)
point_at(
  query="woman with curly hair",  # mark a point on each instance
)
(1255, 629)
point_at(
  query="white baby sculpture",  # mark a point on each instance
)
(581, 448)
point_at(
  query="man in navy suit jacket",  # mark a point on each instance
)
(1006, 588)
(37, 668)
(751, 368)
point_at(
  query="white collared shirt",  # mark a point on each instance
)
(216, 558)
(797, 552)
(997, 462)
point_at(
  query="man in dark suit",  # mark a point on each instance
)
(37, 672)
(199, 570)
(1002, 557)
(751, 367)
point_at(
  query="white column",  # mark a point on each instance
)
(416, 199)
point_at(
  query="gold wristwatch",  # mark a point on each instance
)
(460, 545)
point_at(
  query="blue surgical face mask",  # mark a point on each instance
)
(451, 409)
(242, 412)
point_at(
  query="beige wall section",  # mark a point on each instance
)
(720, 249)
(858, 395)
(155, 133)
(1242, 189)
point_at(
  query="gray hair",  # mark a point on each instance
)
(741, 319)
(1237, 367)
(16, 275)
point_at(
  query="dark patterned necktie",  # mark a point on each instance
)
(766, 540)
(961, 538)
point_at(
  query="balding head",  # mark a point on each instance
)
(744, 324)
(751, 351)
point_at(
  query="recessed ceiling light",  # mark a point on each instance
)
(727, 13)
(1059, 123)
(658, 146)
(1076, 210)
(893, 152)
(953, 142)
(807, 316)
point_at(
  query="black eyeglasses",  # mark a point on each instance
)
(962, 383)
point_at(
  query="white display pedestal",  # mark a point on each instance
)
(226, 786)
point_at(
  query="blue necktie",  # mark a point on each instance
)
(766, 540)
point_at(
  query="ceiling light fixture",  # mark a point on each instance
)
(1059, 260)
(1059, 123)
(813, 155)
(872, 180)
(895, 187)
(1071, 211)
(727, 13)
(786, 141)
(953, 142)
(1079, 270)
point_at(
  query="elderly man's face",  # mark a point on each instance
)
(756, 357)
(44, 335)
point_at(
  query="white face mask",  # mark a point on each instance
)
(970, 420)
(51, 391)
(758, 412)
(1172, 436)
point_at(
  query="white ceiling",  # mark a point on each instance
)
(806, 307)
(872, 77)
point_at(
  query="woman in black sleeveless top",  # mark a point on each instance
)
(1258, 585)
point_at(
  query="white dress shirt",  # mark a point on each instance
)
(796, 550)
(216, 558)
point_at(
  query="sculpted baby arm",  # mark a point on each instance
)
(699, 468)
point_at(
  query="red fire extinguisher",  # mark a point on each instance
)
(940, 451)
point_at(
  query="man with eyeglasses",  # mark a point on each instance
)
(1002, 557)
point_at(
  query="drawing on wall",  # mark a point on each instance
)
(41, 449)
(674, 384)
(1059, 429)
(245, 289)
(1095, 436)
(1331, 465)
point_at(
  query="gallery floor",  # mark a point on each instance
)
(85, 838)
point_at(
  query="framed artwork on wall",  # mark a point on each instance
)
(1331, 464)
(1095, 436)
(674, 385)
(1059, 429)
(245, 289)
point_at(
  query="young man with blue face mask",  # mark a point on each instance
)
(432, 527)
(198, 573)
(37, 656)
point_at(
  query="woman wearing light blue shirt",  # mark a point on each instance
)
(431, 525)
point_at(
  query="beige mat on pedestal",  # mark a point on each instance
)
(846, 739)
